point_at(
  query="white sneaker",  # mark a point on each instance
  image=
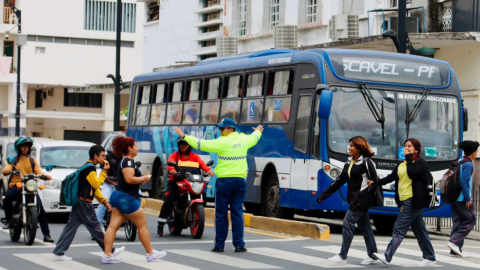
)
(110, 259)
(61, 257)
(369, 261)
(118, 251)
(337, 259)
(381, 257)
(455, 249)
(426, 262)
(156, 255)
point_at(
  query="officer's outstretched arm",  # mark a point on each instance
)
(253, 138)
(212, 146)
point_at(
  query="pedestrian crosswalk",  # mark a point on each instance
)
(257, 257)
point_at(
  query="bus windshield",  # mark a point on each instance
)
(436, 125)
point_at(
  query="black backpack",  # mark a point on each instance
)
(431, 192)
(450, 187)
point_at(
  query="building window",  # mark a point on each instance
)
(153, 11)
(274, 13)
(86, 100)
(102, 16)
(311, 11)
(213, 28)
(213, 3)
(40, 50)
(38, 98)
(213, 16)
(242, 18)
(209, 43)
(447, 17)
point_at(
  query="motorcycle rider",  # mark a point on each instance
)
(184, 153)
(26, 165)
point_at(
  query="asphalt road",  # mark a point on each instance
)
(265, 251)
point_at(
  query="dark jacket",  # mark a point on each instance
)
(113, 169)
(360, 196)
(418, 172)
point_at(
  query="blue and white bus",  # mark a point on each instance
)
(311, 103)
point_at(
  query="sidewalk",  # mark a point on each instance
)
(445, 231)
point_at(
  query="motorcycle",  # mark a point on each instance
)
(130, 228)
(188, 210)
(25, 209)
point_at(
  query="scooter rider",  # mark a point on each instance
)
(26, 165)
(184, 153)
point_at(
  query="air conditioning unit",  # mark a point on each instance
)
(285, 37)
(344, 26)
(226, 46)
(412, 24)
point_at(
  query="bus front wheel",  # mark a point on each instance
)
(271, 203)
(158, 185)
(384, 224)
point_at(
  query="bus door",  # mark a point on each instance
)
(301, 173)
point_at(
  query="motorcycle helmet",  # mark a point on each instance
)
(23, 140)
(181, 140)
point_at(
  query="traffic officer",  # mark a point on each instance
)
(231, 170)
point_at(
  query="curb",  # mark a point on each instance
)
(298, 228)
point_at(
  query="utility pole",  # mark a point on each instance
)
(402, 32)
(116, 113)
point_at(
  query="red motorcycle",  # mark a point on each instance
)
(188, 210)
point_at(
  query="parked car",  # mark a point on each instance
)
(7, 150)
(107, 143)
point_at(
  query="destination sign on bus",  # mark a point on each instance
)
(390, 70)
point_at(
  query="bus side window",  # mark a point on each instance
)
(142, 113)
(255, 85)
(302, 127)
(233, 94)
(192, 109)
(234, 87)
(158, 109)
(278, 102)
(174, 109)
(210, 108)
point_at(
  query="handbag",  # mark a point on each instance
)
(378, 197)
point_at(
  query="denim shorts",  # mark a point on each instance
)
(126, 203)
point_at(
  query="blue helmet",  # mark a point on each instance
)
(23, 140)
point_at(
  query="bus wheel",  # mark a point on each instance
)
(384, 224)
(158, 185)
(271, 203)
(252, 208)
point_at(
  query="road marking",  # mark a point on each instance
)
(440, 258)
(222, 259)
(298, 258)
(473, 255)
(403, 262)
(1, 268)
(36, 239)
(141, 261)
(46, 260)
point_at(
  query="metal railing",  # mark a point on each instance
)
(447, 222)
(7, 11)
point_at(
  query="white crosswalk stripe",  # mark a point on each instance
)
(353, 253)
(141, 261)
(46, 260)
(298, 258)
(439, 257)
(222, 259)
(469, 254)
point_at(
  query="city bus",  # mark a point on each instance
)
(310, 102)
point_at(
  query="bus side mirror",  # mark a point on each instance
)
(210, 163)
(325, 104)
(465, 119)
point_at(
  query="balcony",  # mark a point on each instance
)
(209, 23)
(207, 36)
(209, 9)
(205, 50)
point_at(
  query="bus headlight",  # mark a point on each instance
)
(331, 170)
(31, 185)
(53, 184)
(197, 187)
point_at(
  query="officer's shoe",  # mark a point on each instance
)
(160, 230)
(240, 249)
(47, 239)
(217, 250)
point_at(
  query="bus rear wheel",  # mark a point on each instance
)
(271, 203)
(158, 185)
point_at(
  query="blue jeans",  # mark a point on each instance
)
(229, 191)
(363, 221)
(410, 217)
(107, 191)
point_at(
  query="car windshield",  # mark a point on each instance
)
(436, 125)
(71, 157)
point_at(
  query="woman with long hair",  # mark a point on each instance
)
(410, 178)
(125, 204)
(356, 172)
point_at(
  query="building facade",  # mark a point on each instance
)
(68, 49)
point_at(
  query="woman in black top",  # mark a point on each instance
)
(124, 201)
(360, 197)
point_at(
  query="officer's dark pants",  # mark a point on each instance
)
(229, 191)
(13, 194)
(463, 222)
(170, 197)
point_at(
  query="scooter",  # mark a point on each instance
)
(25, 209)
(188, 210)
(130, 228)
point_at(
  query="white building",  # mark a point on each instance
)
(69, 45)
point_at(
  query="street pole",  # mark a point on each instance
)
(402, 18)
(17, 109)
(116, 113)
